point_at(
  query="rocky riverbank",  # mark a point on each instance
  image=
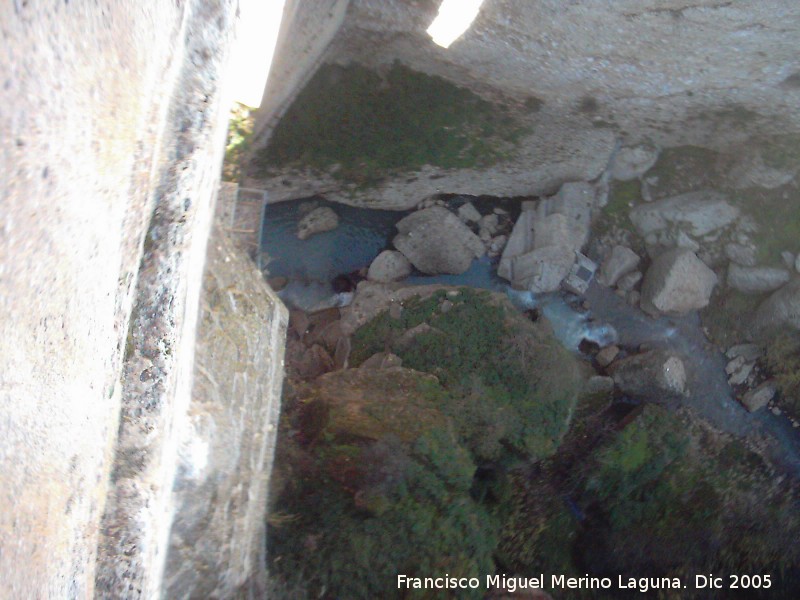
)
(649, 441)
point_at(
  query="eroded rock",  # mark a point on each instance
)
(756, 280)
(620, 261)
(677, 282)
(389, 265)
(655, 375)
(318, 220)
(435, 241)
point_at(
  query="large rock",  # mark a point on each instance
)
(560, 224)
(781, 309)
(318, 220)
(759, 397)
(756, 280)
(389, 265)
(695, 213)
(542, 270)
(436, 241)
(620, 261)
(655, 375)
(677, 282)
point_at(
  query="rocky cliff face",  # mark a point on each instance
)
(572, 79)
(677, 71)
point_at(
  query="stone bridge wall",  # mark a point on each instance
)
(112, 126)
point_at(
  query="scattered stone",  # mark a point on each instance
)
(298, 322)
(341, 354)
(499, 211)
(676, 283)
(734, 365)
(655, 375)
(389, 265)
(781, 309)
(620, 261)
(759, 397)
(318, 220)
(756, 280)
(446, 306)
(382, 360)
(409, 336)
(314, 362)
(607, 355)
(741, 254)
(740, 375)
(788, 259)
(776, 411)
(748, 351)
(599, 384)
(277, 283)
(633, 298)
(633, 161)
(435, 241)
(468, 213)
(496, 245)
(489, 224)
(629, 281)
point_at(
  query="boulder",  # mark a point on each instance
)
(607, 355)
(620, 261)
(756, 280)
(489, 224)
(496, 245)
(695, 213)
(633, 161)
(739, 371)
(468, 213)
(655, 375)
(747, 351)
(781, 309)
(759, 397)
(629, 281)
(599, 384)
(277, 283)
(542, 270)
(318, 220)
(677, 282)
(435, 241)
(741, 254)
(388, 266)
(382, 360)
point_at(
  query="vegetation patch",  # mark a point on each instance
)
(362, 125)
(683, 169)
(240, 131)
(783, 361)
(509, 385)
(777, 214)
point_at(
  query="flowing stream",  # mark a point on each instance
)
(312, 264)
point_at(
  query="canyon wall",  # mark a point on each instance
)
(575, 77)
